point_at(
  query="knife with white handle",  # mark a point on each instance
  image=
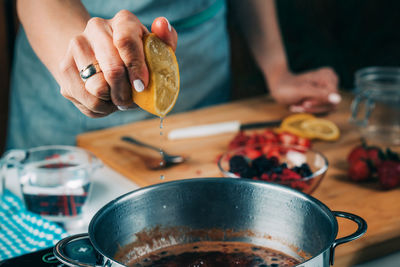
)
(218, 128)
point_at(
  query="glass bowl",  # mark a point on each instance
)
(263, 160)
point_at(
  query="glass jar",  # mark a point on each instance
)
(375, 109)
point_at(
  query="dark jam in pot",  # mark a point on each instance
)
(213, 254)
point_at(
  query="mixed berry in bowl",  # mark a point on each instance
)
(295, 166)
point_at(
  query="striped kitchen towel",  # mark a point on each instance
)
(22, 231)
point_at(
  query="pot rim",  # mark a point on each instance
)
(111, 205)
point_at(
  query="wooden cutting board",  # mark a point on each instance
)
(381, 209)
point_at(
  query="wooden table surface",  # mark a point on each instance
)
(381, 209)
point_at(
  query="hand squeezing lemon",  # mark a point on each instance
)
(163, 89)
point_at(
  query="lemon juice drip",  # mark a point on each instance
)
(161, 151)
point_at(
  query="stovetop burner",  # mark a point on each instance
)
(80, 250)
(38, 258)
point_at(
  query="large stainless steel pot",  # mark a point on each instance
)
(271, 215)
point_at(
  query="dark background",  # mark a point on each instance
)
(7, 33)
(344, 34)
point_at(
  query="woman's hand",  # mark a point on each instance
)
(313, 91)
(116, 45)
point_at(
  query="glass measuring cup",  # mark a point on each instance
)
(376, 108)
(55, 181)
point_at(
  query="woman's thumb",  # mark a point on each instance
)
(163, 29)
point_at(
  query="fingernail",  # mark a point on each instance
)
(169, 25)
(334, 98)
(307, 104)
(138, 85)
(296, 109)
(124, 108)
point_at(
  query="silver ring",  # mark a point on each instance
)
(89, 71)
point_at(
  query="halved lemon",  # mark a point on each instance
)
(162, 91)
(321, 129)
(293, 124)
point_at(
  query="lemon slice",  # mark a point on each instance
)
(321, 129)
(162, 92)
(293, 124)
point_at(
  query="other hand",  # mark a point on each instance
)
(313, 91)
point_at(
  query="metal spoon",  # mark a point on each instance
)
(169, 159)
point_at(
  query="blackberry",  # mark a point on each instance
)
(248, 173)
(238, 164)
(304, 170)
(296, 169)
(284, 165)
(277, 170)
(274, 161)
(261, 165)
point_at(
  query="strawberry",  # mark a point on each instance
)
(252, 153)
(389, 174)
(270, 136)
(359, 170)
(239, 140)
(301, 141)
(287, 138)
(252, 140)
(357, 153)
(375, 156)
(261, 139)
(274, 152)
(266, 148)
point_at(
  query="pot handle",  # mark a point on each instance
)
(362, 228)
(77, 250)
(361, 100)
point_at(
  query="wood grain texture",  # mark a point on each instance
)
(381, 209)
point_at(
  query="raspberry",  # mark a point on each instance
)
(288, 174)
(300, 185)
